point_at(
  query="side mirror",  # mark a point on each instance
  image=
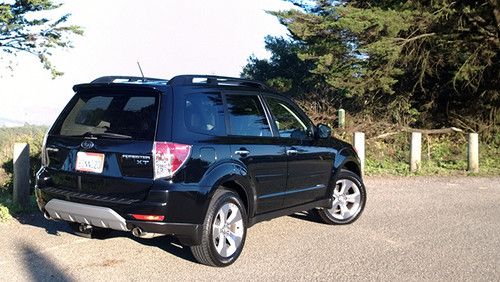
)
(324, 131)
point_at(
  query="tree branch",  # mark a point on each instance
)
(407, 40)
(496, 12)
(23, 31)
(424, 131)
(20, 49)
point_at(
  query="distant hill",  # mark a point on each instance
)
(5, 122)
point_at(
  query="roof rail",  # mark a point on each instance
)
(114, 79)
(194, 79)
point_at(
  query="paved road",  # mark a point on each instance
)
(421, 228)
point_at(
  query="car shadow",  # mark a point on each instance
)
(36, 219)
(307, 216)
(166, 243)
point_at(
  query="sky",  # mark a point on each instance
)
(168, 37)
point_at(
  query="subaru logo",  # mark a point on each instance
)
(87, 144)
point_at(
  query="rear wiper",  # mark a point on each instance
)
(112, 135)
(93, 135)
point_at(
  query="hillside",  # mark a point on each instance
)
(5, 122)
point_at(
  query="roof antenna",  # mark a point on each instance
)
(139, 65)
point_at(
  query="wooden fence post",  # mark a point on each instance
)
(21, 162)
(341, 118)
(359, 144)
(473, 153)
(415, 151)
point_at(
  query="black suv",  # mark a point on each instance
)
(199, 157)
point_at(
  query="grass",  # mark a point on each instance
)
(8, 209)
(441, 155)
(33, 135)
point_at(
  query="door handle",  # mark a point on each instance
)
(292, 151)
(242, 152)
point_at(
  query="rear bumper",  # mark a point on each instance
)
(87, 214)
(178, 202)
(105, 217)
(189, 234)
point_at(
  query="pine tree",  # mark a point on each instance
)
(24, 29)
(426, 62)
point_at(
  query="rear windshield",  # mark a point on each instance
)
(110, 115)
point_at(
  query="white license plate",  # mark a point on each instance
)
(89, 162)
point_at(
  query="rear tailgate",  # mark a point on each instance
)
(127, 169)
(102, 144)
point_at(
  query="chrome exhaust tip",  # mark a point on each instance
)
(85, 228)
(137, 232)
(46, 215)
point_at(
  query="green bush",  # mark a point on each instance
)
(9, 209)
(442, 154)
(4, 213)
(33, 135)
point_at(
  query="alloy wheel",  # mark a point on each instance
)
(346, 199)
(227, 230)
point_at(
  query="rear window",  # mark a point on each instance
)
(121, 115)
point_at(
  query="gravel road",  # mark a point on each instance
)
(418, 228)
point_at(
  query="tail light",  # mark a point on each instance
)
(168, 158)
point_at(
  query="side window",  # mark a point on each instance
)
(204, 113)
(246, 116)
(288, 121)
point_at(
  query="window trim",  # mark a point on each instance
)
(301, 115)
(262, 104)
(269, 117)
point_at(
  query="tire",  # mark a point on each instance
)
(224, 230)
(349, 199)
(93, 233)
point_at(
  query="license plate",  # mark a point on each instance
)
(89, 162)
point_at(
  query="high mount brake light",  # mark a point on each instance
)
(168, 158)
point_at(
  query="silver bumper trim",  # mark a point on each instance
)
(92, 215)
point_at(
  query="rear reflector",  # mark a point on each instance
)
(149, 217)
(168, 158)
